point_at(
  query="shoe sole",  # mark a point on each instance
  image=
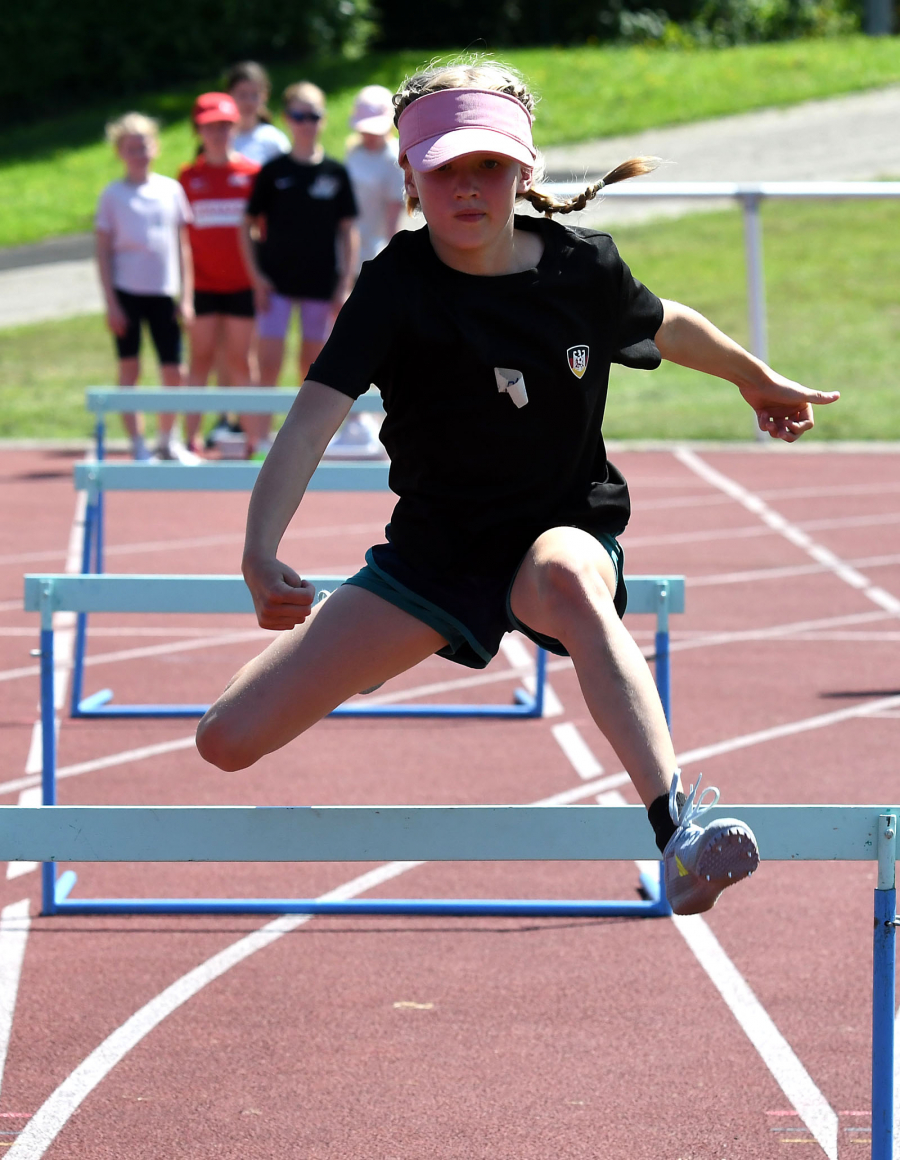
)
(730, 857)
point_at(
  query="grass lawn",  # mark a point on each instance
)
(51, 172)
(833, 278)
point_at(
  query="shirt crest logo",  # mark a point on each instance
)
(578, 359)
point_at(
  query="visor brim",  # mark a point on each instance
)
(436, 151)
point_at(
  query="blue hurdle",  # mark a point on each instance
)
(47, 594)
(98, 477)
(473, 833)
(105, 401)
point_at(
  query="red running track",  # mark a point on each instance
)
(399, 1039)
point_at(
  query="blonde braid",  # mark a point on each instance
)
(548, 205)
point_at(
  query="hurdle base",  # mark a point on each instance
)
(652, 889)
(98, 705)
(437, 907)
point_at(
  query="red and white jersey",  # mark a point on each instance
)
(218, 195)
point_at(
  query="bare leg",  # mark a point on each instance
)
(270, 352)
(204, 342)
(309, 352)
(351, 641)
(238, 335)
(171, 375)
(129, 372)
(564, 589)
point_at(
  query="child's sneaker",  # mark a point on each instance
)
(701, 861)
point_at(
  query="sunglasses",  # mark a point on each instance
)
(300, 118)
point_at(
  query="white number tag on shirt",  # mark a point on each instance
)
(512, 383)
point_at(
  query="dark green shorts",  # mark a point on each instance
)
(472, 613)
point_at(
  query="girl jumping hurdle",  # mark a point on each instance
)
(490, 336)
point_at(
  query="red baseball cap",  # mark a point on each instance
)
(210, 107)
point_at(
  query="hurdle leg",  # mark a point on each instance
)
(653, 884)
(81, 621)
(48, 748)
(883, 984)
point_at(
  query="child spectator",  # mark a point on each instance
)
(378, 186)
(144, 262)
(303, 212)
(257, 138)
(218, 184)
(374, 170)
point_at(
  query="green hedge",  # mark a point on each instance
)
(56, 53)
(499, 23)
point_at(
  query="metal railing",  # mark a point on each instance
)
(750, 195)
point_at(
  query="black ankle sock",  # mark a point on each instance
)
(658, 813)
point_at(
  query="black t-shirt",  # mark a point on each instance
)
(479, 478)
(302, 205)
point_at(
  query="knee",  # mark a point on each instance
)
(222, 743)
(569, 591)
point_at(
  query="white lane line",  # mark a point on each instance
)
(756, 1023)
(63, 652)
(50, 1118)
(774, 1050)
(793, 493)
(518, 655)
(752, 576)
(576, 750)
(14, 925)
(193, 542)
(872, 709)
(47, 1122)
(124, 757)
(28, 797)
(64, 648)
(791, 531)
(169, 631)
(752, 530)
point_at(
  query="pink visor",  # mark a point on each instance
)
(441, 126)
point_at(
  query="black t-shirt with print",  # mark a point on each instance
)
(479, 477)
(302, 205)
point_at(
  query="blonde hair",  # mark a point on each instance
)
(306, 92)
(495, 76)
(131, 124)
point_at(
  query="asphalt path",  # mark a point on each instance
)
(845, 138)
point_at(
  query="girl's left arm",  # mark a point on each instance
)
(783, 408)
(347, 259)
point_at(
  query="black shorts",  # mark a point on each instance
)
(160, 314)
(472, 613)
(238, 304)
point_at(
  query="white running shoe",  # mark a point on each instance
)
(357, 438)
(175, 451)
(701, 861)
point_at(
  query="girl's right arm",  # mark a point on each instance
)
(262, 286)
(281, 598)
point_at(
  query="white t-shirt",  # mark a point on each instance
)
(377, 181)
(143, 221)
(262, 143)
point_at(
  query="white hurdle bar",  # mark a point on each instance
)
(105, 401)
(658, 596)
(218, 594)
(100, 476)
(474, 833)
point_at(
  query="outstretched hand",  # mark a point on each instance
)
(784, 409)
(281, 598)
